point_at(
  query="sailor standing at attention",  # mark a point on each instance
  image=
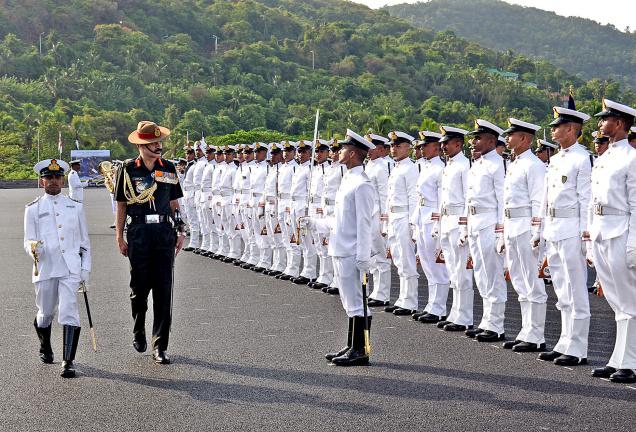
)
(75, 185)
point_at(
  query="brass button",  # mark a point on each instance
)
(59, 226)
(62, 238)
(57, 214)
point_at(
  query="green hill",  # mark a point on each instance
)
(104, 65)
(578, 45)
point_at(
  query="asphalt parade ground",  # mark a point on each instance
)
(247, 354)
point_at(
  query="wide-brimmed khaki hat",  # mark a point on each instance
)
(148, 132)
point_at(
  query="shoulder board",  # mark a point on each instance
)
(167, 162)
(128, 162)
(34, 201)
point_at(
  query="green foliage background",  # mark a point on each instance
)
(105, 65)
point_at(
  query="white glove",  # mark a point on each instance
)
(631, 257)
(584, 246)
(435, 232)
(535, 240)
(463, 236)
(589, 253)
(85, 275)
(500, 245)
(305, 222)
(363, 266)
(413, 230)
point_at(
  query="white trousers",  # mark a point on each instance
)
(193, 221)
(489, 278)
(461, 279)
(381, 271)
(403, 253)
(58, 294)
(436, 273)
(569, 278)
(619, 288)
(347, 278)
(292, 250)
(523, 267)
(325, 272)
(275, 239)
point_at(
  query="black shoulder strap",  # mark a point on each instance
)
(505, 165)
(341, 171)
(388, 165)
(419, 167)
(592, 160)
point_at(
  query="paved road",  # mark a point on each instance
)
(247, 353)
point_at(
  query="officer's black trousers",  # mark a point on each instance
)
(151, 255)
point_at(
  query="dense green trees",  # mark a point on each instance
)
(107, 64)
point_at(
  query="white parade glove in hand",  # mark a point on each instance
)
(436, 230)
(85, 275)
(589, 253)
(413, 231)
(305, 222)
(363, 266)
(631, 257)
(463, 236)
(500, 245)
(535, 240)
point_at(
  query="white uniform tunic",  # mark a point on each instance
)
(565, 213)
(217, 208)
(325, 274)
(76, 186)
(262, 253)
(401, 204)
(523, 189)
(299, 190)
(429, 187)
(285, 177)
(273, 222)
(378, 171)
(350, 238)
(332, 181)
(485, 209)
(452, 206)
(204, 201)
(229, 247)
(612, 229)
(60, 224)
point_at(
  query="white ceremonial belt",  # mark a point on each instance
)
(315, 200)
(601, 210)
(512, 213)
(245, 191)
(226, 193)
(427, 203)
(399, 209)
(453, 210)
(270, 199)
(563, 212)
(329, 201)
(206, 190)
(284, 195)
(472, 210)
(256, 194)
(299, 197)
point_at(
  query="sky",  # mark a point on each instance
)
(620, 13)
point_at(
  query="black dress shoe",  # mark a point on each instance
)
(140, 344)
(310, 284)
(528, 347)
(510, 344)
(285, 277)
(197, 251)
(417, 315)
(490, 336)
(300, 280)
(238, 262)
(623, 376)
(603, 372)
(549, 356)
(568, 360)
(443, 323)
(452, 327)
(390, 309)
(471, 333)
(257, 269)
(247, 266)
(160, 357)
(188, 249)
(325, 288)
(68, 371)
(403, 312)
(377, 303)
(429, 318)
(333, 291)
(228, 260)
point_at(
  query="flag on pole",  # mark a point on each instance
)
(60, 145)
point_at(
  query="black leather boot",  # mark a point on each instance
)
(44, 334)
(330, 356)
(356, 356)
(70, 338)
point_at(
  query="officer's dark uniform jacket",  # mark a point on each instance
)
(151, 241)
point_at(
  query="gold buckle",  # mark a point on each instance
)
(507, 213)
(598, 209)
(472, 210)
(551, 211)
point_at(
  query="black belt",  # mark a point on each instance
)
(149, 219)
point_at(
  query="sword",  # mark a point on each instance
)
(367, 342)
(88, 313)
(311, 171)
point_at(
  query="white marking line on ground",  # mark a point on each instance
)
(568, 368)
(204, 323)
(252, 285)
(304, 317)
(199, 309)
(328, 331)
(389, 327)
(270, 336)
(250, 320)
(23, 335)
(263, 294)
(9, 310)
(202, 340)
(235, 307)
(287, 304)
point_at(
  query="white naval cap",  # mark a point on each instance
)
(599, 138)
(516, 125)
(484, 126)
(429, 136)
(49, 167)
(288, 145)
(260, 146)
(304, 145)
(230, 148)
(322, 144)
(566, 115)
(546, 144)
(450, 132)
(614, 109)
(377, 139)
(398, 137)
(352, 138)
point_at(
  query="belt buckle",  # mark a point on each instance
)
(507, 213)
(472, 210)
(391, 209)
(551, 212)
(445, 211)
(422, 201)
(598, 209)
(152, 218)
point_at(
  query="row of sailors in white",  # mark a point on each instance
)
(491, 215)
